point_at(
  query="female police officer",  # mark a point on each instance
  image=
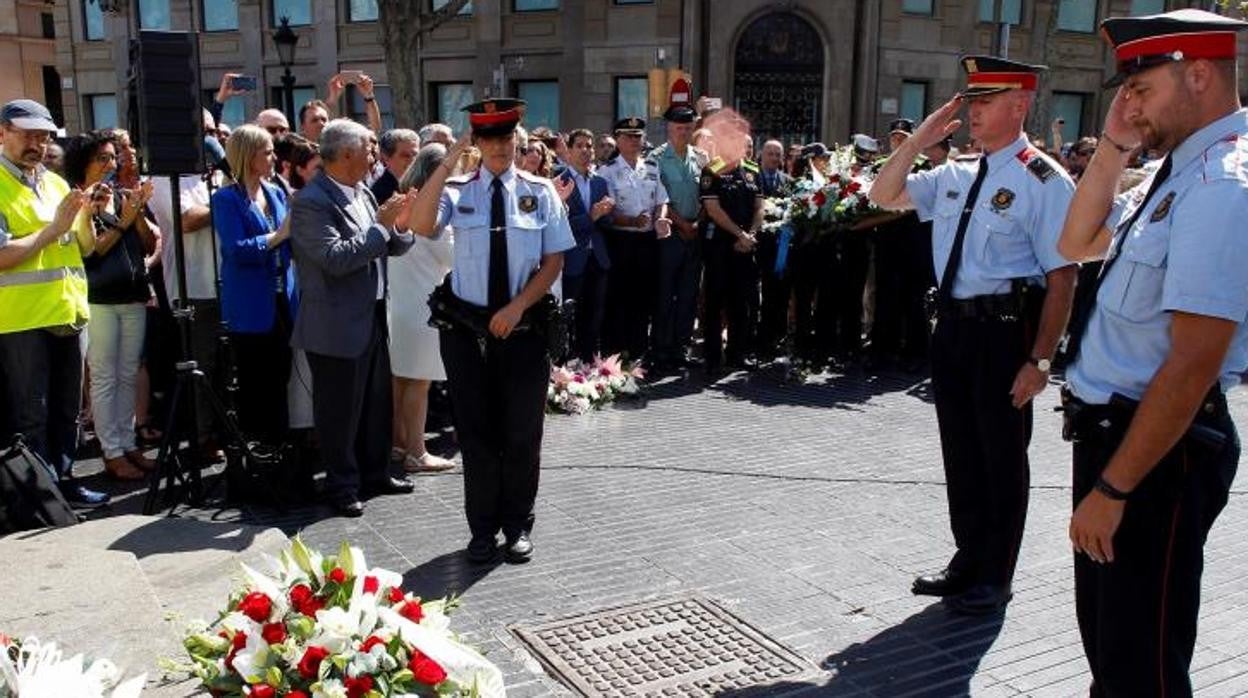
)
(510, 233)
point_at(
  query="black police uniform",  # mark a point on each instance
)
(903, 275)
(731, 280)
(777, 287)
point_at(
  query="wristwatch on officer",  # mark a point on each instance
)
(1042, 364)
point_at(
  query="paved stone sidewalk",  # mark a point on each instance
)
(806, 510)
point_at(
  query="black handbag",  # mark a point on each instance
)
(29, 496)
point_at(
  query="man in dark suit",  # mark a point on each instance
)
(773, 321)
(341, 240)
(585, 266)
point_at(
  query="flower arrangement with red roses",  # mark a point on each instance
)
(331, 627)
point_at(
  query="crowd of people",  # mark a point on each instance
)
(338, 271)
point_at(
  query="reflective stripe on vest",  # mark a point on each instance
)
(18, 278)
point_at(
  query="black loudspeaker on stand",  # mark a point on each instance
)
(165, 112)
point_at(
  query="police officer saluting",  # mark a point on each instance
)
(1155, 450)
(995, 225)
(510, 230)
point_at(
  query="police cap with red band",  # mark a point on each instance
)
(988, 75)
(1141, 43)
(495, 117)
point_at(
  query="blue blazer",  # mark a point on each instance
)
(248, 266)
(589, 235)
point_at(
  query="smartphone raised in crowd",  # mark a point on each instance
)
(243, 82)
(351, 77)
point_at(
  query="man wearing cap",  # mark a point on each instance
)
(1003, 298)
(1155, 449)
(637, 223)
(43, 297)
(679, 262)
(511, 231)
(903, 275)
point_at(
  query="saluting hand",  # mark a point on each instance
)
(1118, 126)
(939, 124)
(505, 320)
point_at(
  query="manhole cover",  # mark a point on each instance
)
(682, 647)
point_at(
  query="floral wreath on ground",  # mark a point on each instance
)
(332, 627)
(577, 387)
(33, 669)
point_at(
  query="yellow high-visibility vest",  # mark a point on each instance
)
(49, 289)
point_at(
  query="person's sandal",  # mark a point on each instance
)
(426, 463)
(120, 468)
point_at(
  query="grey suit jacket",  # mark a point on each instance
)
(337, 280)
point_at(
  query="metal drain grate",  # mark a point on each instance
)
(682, 647)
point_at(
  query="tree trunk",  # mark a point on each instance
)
(403, 28)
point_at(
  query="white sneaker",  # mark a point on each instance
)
(426, 463)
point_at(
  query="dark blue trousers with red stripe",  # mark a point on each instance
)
(1137, 615)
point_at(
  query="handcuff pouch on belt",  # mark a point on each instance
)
(1085, 422)
(448, 311)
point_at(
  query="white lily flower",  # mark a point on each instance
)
(41, 671)
(251, 661)
(335, 628)
(329, 688)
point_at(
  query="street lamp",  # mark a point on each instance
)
(285, 40)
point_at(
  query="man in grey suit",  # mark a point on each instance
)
(341, 240)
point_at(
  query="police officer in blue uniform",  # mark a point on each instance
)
(995, 224)
(1155, 450)
(511, 230)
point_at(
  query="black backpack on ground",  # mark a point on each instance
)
(29, 496)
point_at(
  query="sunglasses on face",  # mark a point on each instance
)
(276, 130)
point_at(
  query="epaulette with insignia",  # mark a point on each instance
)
(461, 180)
(717, 165)
(750, 166)
(525, 174)
(1036, 163)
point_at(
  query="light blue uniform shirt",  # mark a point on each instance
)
(680, 179)
(1017, 221)
(537, 224)
(1186, 252)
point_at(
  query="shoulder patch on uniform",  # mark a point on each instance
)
(1036, 163)
(527, 203)
(1226, 158)
(461, 180)
(750, 166)
(717, 165)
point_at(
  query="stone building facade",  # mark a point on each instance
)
(28, 53)
(799, 69)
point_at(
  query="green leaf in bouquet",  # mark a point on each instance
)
(273, 677)
(302, 627)
(345, 560)
(303, 559)
(402, 678)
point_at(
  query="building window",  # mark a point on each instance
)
(1076, 16)
(1011, 11)
(361, 10)
(154, 14)
(463, 11)
(48, 24)
(220, 15)
(1147, 7)
(913, 100)
(632, 97)
(1068, 106)
(534, 5)
(451, 98)
(298, 11)
(542, 97)
(917, 7)
(92, 20)
(52, 93)
(103, 110)
(357, 108)
(234, 112)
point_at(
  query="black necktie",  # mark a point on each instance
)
(1087, 301)
(500, 294)
(944, 294)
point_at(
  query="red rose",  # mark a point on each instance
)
(370, 643)
(256, 606)
(358, 686)
(310, 663)
(237, 642)
(337, 575)
(371, 585)
(820, 198)
(263, 690)
(273, 633)
(304, 601)
(425, 670)
(412, 611)
(853, 187)
(296, 694)
(396, 595)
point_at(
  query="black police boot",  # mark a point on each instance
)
(943, 583)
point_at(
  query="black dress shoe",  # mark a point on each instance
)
(518, 549)
(482, 549)
(943, 583)
(981, 600)
(391, 485)
(350, 508)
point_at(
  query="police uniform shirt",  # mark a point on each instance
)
(737, 190)
(1016, 223)
(635, 190)
(537, 225)
(1185, 252)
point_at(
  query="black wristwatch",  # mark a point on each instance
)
(1043, 364)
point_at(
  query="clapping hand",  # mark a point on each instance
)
(604, 206)
(100, 194)
(564, 187)
(68, 209)
(388, 213)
